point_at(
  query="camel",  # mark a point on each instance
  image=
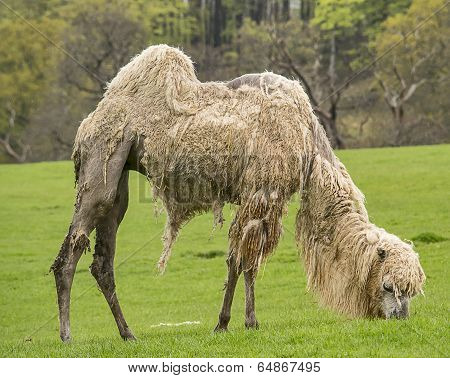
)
(252, 142)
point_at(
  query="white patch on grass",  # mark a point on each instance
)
(188, 322)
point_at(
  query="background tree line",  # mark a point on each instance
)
(365, 92)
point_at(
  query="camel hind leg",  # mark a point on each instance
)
(102, 267)
(97, 188)
(233, 275)
(250, 317)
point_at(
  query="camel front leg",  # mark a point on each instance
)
(230, 286)
(95, 198)
(102, 267)
(250, 318)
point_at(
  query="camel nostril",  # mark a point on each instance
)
(399, 314)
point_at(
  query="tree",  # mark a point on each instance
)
(420, 58)
(26, 66)
(102, 37)
(318, 55)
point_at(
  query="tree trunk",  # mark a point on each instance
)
(334, 96)
(306, 10)
(217, 23)
(400, 124)
(335, 138)
(286, 10)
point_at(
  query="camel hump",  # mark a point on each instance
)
(151, 68)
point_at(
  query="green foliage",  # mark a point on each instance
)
(254, 44)
(339, 16)
(403, 195)
(376, 11)
(433, 34)
(26, 65)
(226, 38)
(29, 9)
(421, 57)
(166, 21)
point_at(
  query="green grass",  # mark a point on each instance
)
(407, 191)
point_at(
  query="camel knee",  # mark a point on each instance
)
(95, 199)
(75, 243)
(105, 201)
(95, 205)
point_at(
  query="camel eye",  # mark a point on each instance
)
(381, 253)
(388, 287)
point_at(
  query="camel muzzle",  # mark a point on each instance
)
(402, 312)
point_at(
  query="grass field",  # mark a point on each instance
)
(407, 191)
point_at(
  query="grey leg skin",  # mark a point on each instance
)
(233, 276)
(75, 243)
(64, 270)
(95, 198)
(250, 318)
(102, 267)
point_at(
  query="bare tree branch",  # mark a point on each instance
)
(422, 60)
(398, 76)
(5, 140)
(412, 88)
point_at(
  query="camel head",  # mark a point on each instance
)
(396, 276)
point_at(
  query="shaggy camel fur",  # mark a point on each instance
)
(253, 142)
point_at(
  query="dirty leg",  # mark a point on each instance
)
(233, 276)
(102, 267)
(64, 270)
(95, 198)
(250, 318)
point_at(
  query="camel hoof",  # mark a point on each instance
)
(221, 328)
(252, 325)
(128, 336)
(66, 339)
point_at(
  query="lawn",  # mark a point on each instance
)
(407, 192)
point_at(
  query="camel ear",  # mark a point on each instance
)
(372, 236)
(381, 253)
